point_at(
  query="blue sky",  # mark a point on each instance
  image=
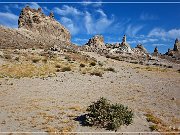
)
(149, 24)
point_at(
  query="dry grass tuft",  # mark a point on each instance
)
(26, 70)
(75, 108)
(153, 119)
(96, 73)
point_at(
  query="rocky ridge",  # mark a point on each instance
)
(35, 30)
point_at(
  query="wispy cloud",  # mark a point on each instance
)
(80, 41)
(133, 30)
(142, 40)
(90, 3)
(67, 10)
(159, 45)
(159, 32)
(147, 17)
(70, 25)
(34, 5)
(97, 25)
(8, 19)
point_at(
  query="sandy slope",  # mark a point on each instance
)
(52, 103)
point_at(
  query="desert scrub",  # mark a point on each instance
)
(82, 65)
(110, 116)
(66, 69)
(92, 64)
(96, 73)
(110, 69)
(67, 58)
(36, 60)
(100, 63)
(153, 119)
(178, 70)
(153, 127)
(7, 56)
(26, 70)
(58, 66)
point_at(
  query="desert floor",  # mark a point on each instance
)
(51, 104)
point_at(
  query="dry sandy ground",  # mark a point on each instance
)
(51, 104)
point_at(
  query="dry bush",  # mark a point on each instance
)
(110, 69)
(7, 56)
(82, 65)
(36, 59)
(178, 70)
(26, 70)
(58, 66)
(153, 119)
(153, 127)
(92, 63)
(96, 73)
(64, 69)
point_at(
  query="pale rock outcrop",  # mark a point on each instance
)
(124, 47)
(175, 52)
(95, 43)
(34, 20)
(141, 48)
(35, 30)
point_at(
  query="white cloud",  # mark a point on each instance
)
(34, 5)
(101, 12)
(133, 30)
(97, 25)
(46, 10)
(70, 25)
(145, 17)
(159, 45)
(158, 32)
(81, 39)
(89, 23)
(174, 33)
(143, 40)
(9, 19)
(90, 3)
(67, 10)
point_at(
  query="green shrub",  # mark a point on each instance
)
(93, 64)
(66, 69)
(110, 116)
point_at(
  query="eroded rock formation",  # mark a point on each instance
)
(176, 45)
(36, 30)
(95, 44)
(34, 20)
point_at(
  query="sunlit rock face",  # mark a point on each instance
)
(36, 21)
(35, 30)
